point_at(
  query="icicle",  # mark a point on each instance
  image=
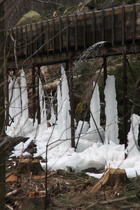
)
(53, 117)
(111, 130)
(133, 136)
(15, 101)
(24, 96)
(26, 125)
(39, 129)
(42, 102)
(95, 108)
(65, 113)
(59, 105)
(95, 132)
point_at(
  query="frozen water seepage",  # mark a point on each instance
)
(24, 97)
(53, 116)
(19, 149)
(88, 153)
(111, 129)
(14, 108)
(132, 148)
(95, 133)
(42, 127)
(95, 47)
(65, 109)
(18, 109)
(15, 101)
(82, 128)
(25, 123)
(95, 108)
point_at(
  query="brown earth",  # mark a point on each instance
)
(66, 190)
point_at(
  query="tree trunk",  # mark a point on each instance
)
(2, 113)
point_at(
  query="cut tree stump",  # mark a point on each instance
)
(112, 177)
(29, 166)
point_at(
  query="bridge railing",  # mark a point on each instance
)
(118, 26)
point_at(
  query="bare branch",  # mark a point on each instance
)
(1, 1)
(47, 2)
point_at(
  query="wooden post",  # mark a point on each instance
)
(125, 100)
(69, 70)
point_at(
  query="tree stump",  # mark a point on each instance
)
(116, 177)
(29, 166)
(112, 177)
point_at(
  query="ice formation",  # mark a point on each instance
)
(111, 129)
(133, 136)
(90, 151)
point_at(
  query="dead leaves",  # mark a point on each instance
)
(36, 193)
(12, 178)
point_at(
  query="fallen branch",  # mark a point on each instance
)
(9, 207)
(14, 192)
(109, 201)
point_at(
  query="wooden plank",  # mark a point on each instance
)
(134, 24)
(113, 26)
(67, 33)
(21, 38)
(123, 24)
(60, 34)
(84, 31)
(103, 26)
(26, 41)
(47, 36)
(76, 41)
(93, 27)
(42, 39)
(53, 32)
(36, 41)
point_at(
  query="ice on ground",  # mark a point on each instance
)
(90, 152)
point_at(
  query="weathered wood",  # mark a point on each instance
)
(112, 177)
(118, 26)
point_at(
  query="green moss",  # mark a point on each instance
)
(29, 17)
(81, 110)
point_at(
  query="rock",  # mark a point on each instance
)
(29, 17)
(92, 170)
(31, 148)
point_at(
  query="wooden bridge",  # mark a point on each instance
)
(53, 40)
(64, 39)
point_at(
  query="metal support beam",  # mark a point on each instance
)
(38, 102)
(69, 72)
(105, 69)
(125, 100)
(7, 100)
(33, 94)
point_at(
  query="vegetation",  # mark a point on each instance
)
(70, 190)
